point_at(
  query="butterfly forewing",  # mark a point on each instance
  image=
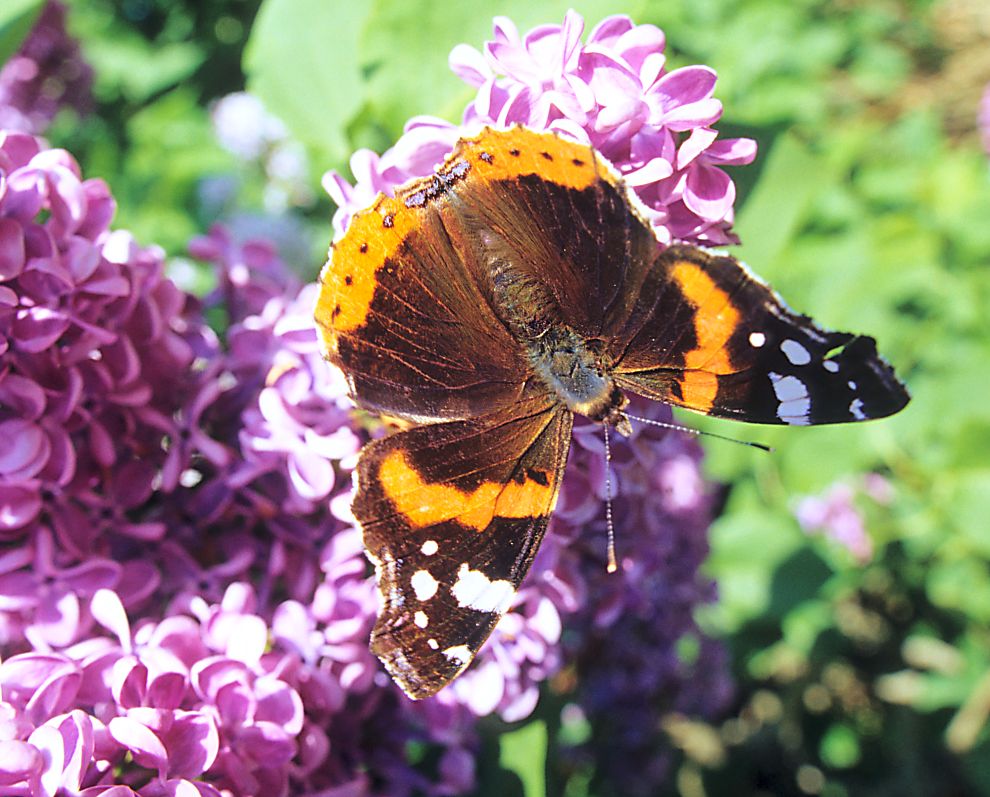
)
(710, 336)
(559, 214)
(401, 313)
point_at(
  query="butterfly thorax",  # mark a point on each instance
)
(567, 363)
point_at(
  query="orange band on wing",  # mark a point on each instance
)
(348, 279)
(425, 504)
(715, 321)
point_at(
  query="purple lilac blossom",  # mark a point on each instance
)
(836, 514)
(184, 600)
(613, 91)
(627, 628)
(46, 74)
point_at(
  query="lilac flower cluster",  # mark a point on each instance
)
(184, 601)
(626, 635)
(836, 514)
(613, 92)
(86, 392)
(45, 75)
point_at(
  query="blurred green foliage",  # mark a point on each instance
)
(16, 19)
(869, 207)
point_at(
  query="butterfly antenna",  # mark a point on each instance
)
(689, 430)
(612, 565)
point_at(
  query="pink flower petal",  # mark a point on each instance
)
(38, 328)
(469, 65)
(193, 743)
(11, 248)
(684, 86)
(19, 505)
(19, 762)
(141, 741)
(700, 141)
(108, 611)
(166, 690)
(709, 192)
(129, 680)
(54, 695)
(687, 117)
(265, 741)
(25, 451)
(608, 31)
(732, 151)
(109, 791)
(279, 703)
(651, 172)
(56, 618)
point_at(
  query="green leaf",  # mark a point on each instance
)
(524, 752)
(17, 17)
(963, 585)
(780, 201)
(302, 59)
(746, 548)
(172, 148)
(140, 71)
(969, 499)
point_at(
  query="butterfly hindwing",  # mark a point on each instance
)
(710, 336)
(452, 515)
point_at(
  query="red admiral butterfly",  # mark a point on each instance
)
(484, 306)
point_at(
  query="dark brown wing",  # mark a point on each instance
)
(400, 312)
(408, 307)
(556, 213)
(452, 515)
(707, 335)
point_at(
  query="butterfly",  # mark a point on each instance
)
(487, 304)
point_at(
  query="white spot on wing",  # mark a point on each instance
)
(795, 403)
(757, 339)
(474, 590)
(856, 408)
(433, 644)
(459, 653)
(788, 388)
(795, 352)
(852, 385)
(429, 548)
(421, 619)
(831, 365)
(424, 585)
